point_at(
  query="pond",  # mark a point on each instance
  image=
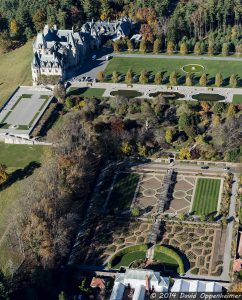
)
(126, 93)
(208, 97)
(168, 95)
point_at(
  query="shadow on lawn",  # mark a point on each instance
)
(21, 174)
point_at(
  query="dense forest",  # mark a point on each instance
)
(213, 22)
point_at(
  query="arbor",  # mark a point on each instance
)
(115, 77)
(143, 46)
(231, 111)
(189, 79)
(157, 46)
(143, 79)
(169, 136)
(183, 48)
(233, 82)
(218, 80)
(173, 78)
(129, 76)
(170, 48)
(126, 148)
(158, 78)
(216, 120)
(100, 76)
(203, 80)
(14, 28)
(183, 122)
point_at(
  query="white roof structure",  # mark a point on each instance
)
(183, 285)
(140, 281)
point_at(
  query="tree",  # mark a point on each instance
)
(130, 45)
(116, 47)
(39, 19)
(219, 107)
(143, 77)
(14, 28)
(126, 148)
(170, 48)
(231, 111)
(141, 150)
(115, 77)
(62, 296)
(189, 79)
(225, 49)
(173, 78)
(183, 122)
(197, 48)
(135, 212)
(203, 80)
(205, 106)
(218, 80)
(143, 46)
(210, 48)
(129, 76)
(183, 48)
(157, 46)
(169, 136)
(59, 92)
(100, 76)
(181, 216)
(216, 120)
(233, 81)
(158, 78)
(184, 153)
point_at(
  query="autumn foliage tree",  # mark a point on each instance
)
(3, 174)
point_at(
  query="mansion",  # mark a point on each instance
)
(56, 51)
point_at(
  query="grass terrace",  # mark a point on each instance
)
(237, 99)
(168, 65)
(86, 92)
(16, 70)
(123, 191)
(206, 196)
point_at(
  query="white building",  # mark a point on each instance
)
(195, 286)
(139, 283)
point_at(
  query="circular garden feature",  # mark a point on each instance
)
(168, 95)
(126, 93)
(163, 255)
(193, 68)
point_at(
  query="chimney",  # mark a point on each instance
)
(147, 283)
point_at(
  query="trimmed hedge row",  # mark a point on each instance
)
(115, 259)
(173, 254)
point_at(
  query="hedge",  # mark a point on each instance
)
(173, 254)
(115, 259)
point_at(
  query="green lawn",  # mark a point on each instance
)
(123, 191)
(128, 258)
(15, 70)
(237, 99)
(206, 196)
(19, 156)
(165, 259)
(86, 92)
(166, 65)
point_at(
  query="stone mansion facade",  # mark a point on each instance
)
(56, 51)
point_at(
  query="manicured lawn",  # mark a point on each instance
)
(123, 191)
(19, 156)
(15, 70)
(128, 258)
(237, 99)
(166, 65)
(206, 196)
(165, 259)
(86, 92)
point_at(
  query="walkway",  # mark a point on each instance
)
(227, 58)
(147, 89)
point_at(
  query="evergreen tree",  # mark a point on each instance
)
(143, 77)
(183, 48)
(218, 80)
(203, 80)
(129, 77)
(143, 46)
(231, 111)
(173, 78)
(100, 76)
(170, 48)
(225, 49)
(233, 81)
(157, 46)
(158, 78)
(189, 79)
(210, 48)
(116, 47)
(197, 48)
(115, 77)
(130, 45)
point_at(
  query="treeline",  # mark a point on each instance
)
(210, 21)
